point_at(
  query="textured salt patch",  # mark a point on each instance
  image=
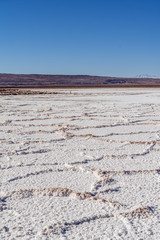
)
(48, 208)
(74, 179)
(136, 188)
(45, 210)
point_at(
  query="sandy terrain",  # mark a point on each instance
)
(80, 164)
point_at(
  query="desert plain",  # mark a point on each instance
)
(80, 164)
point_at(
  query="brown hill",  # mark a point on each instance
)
(39, 80)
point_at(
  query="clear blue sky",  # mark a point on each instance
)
(96, 37)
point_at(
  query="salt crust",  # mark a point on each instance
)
(80, 165)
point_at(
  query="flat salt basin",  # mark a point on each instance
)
(80, 165)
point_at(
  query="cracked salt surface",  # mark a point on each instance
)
(83, 165)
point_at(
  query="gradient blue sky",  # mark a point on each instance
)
(95, 37)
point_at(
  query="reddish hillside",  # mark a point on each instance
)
(38, 80)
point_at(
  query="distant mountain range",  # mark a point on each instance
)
(39, 80)
(147, 76)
